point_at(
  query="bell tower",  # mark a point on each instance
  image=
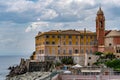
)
(100, 27)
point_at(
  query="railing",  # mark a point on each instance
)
(110, 75)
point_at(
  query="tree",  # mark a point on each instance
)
(115, 64)
(108, 59)
(110, 56)
(57, 64)
(98, 53)
(101, 56)
(68, 60)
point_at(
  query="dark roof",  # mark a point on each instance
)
(100, 11)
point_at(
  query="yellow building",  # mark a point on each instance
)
(78, 44)
(58, 44)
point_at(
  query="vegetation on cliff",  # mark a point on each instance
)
(108, 60)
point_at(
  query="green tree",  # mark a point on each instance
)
(68, 60)
(110, 56)
(57, 64)
(100, 59)
(98, 53)
(115, 64)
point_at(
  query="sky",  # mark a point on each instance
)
(21, 20)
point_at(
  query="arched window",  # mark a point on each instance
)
(101, 24)
(76, 51)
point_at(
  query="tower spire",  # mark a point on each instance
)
(100, 11)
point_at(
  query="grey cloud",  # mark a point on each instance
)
(115, 11)
(16, 16)
(67, 11)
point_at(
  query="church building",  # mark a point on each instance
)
(55, 45)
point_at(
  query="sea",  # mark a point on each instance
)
(6, 62)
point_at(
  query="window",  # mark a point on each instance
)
(70, 51)
(86, 37)
(58, 51)
(42, 51)
(76, 43)
(117, 51)
(58, 36)
(86, 43)
(88, 64)
(53, 36)
(47, 50)
(63, 51)
(110, 44)
(90, 37)
(91, 51)
(53, 43)
(86, 51)
(89, 57)
(81, 36)
(76, 37)
(64, 36)
(47, 42)
(36, 44)
(70, 36)
(64, 43)
(81, 43)
(37, 38)
(43, 43)
(53, 50)
(47, 36)
(101, 24)
(82, 51)
(76, 51)
(70, 43)
(91, 43)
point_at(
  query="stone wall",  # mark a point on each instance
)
(29, 66)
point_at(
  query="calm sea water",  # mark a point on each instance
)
(6, 61)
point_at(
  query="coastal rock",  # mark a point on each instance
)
(31, 76)
(29, 66)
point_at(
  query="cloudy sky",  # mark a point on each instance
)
(20, 20)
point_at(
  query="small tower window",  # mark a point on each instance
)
(101, 24)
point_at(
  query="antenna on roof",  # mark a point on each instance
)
(100, 6)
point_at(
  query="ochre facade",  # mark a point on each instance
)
(79, 44)
(65, 43)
